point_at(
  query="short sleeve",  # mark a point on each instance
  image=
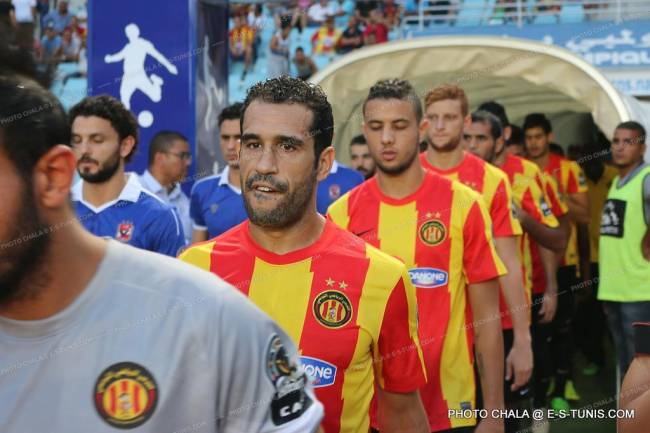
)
(504, 222)
(535, 203)
(576, 181)
(480, 259)
(401, 369)
(261, 385)
(196, 213)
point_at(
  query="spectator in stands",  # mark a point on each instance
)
(169, 160)
(77, 29)
(279, 55)
(256, 21)
(376, 31)
(50, 49)
(241, 43)
(60, 18)
(360, 158)
(305, 66)
(7, 21)
(364, 7)
(391, 12)
(319, 12)
(347, 8)
(70, 46)
(324, 40)
(25, 18)
(352, 37)
(82, 65)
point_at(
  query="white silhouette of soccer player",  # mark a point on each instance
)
(135, 77)
(211, 87)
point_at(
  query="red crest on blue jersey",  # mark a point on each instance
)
(124, 231)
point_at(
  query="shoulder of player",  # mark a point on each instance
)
(352, 196)
(205, 184)
(154, 205)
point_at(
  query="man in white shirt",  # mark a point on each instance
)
(319, 12)
(25, 17)
(169, 159)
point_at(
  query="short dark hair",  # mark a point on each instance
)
(289, 90)
(32, 121)
(497, 109)
(537, 120)
(634, 126)
(482, 116)
(111, 109)
(358, 139)
(14, 60)
(300, 49)
(516, 136)
(395, 88)
(162, 142)
(231, 112)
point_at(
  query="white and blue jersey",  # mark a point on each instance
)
(137, 217)
(216, 205)
(340, 180)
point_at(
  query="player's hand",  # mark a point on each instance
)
(490, 425)
(549, 305)
(519, 362)
(108, 58)
(173, 70)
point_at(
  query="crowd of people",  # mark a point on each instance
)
(53, 35)
(338, 27)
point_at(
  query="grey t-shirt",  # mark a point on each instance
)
(153, 345)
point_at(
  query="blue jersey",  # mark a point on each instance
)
(340, 180)
(137, 217)
(216, 205)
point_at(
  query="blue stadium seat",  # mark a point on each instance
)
(471, 13)
(545, 19)
(572, 13)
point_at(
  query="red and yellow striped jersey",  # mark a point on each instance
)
(570, 180)
(442, 233)
(493, 186)
(528, 191)
(350, 308)
(559, 209)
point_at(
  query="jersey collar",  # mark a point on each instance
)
(131, 192)
(335, 167)
(223, 180)
(151, 183)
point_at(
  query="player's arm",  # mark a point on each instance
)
(645, 242)
(635, 391)
(162, 59)
(199, 227)
(488, 346)
(553, 238)
(520, 358)
(401, 412)
(579, 207)
(482, 267)
(261, 387)
(549, 305)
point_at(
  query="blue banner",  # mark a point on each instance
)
(143, 53)
(603, 44)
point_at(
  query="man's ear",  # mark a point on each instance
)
(325, 162)
(126, 146)
(53, 176)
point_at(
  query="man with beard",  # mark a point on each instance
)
(484, 137)
(360, 157)
(441, 230)
(216, 204)
(169, 160)
(96, 335)
(446, 111)
(350, 308)
(108, 201)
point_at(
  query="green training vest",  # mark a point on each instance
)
(624, 272)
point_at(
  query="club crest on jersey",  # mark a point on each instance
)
(433, 232)
(334, 191)
(124, 231)
(125, 395)
(332, 309)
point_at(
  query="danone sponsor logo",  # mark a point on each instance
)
(320, 372)
(428, 278)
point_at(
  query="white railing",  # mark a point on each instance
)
(431, 13)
